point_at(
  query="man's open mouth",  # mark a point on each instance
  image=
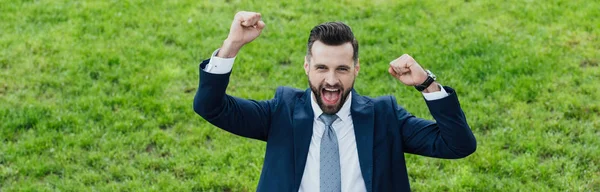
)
(331, 96)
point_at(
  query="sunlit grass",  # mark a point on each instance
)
(97, 95)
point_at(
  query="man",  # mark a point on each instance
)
(330, 138)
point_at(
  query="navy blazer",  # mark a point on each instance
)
(384, 132)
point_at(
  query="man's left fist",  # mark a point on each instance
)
(407, 70)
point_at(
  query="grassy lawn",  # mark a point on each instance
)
(97, 95)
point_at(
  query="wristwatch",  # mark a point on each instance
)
(430, 79)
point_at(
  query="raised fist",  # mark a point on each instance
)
(407, 70)
(246, 27)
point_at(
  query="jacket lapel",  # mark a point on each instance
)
(363, 119)
(303, 116)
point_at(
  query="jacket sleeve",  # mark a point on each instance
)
(247, 118)
(449, 137)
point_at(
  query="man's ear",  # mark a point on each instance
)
(357, 67)
(306, 65)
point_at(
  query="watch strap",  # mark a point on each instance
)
(430, 79)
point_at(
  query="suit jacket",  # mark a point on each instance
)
(384, 132)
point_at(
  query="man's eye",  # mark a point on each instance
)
(343, 69)
(320, 67)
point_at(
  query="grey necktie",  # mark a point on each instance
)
(330, 157)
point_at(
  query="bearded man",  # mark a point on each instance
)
(328, 137)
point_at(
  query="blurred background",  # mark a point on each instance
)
(97, 95)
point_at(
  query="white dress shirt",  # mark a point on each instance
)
(351, 176)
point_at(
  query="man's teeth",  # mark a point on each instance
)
(327, 89)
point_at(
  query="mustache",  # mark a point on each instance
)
(336, 86)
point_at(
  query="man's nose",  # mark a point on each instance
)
(331, 79)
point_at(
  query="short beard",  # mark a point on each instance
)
(325, 109)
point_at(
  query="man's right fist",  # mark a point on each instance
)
(246, 27)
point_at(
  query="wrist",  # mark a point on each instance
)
(229, 49)
(434, 87)
(426, 86)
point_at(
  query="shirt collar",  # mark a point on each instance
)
(343, 113)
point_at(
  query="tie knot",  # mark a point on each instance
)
(328, 119)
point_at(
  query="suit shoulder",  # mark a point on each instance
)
(382, 100)
(287, 96)
(286, 92)
(386, 102)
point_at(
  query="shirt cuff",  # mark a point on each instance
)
(436, 95)
(218, 65)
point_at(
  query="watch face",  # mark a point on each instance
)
(431, 75)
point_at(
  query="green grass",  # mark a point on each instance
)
(97, 95)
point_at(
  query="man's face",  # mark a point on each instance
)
(331, 72)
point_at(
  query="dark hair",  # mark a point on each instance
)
(333, 33)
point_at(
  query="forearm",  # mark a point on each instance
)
(210, 95)
(247, 118)
(454, 130)
(244, 117)
(434, 87)
(229, 49)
